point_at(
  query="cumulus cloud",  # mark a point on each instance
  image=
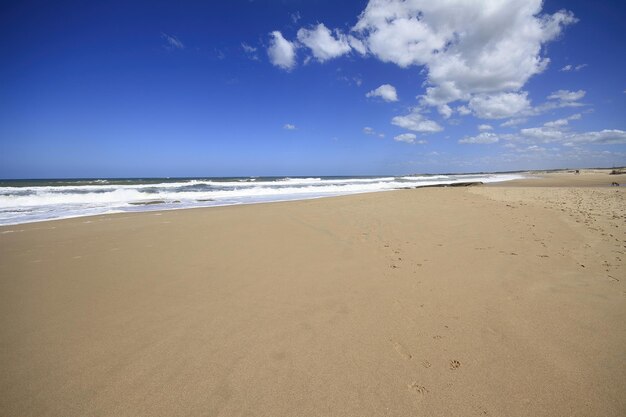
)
(172, 42)
(289, 126)
(445, 111)
(549, 135)
(386, 91)
(467, 47)
(514, 122)
(557, 100)
(499, 106)
(603, 137)
(559, 132)
(480, 53)
(552, 131)
(322, 43)
(409, 138)
(562, 122)
(483, 138)
(485, 127)
(416, 122)
(567, 96)
(281, 52)
(357, 45)
(463, 110)
(544, 134)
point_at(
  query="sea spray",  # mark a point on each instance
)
(23, 201)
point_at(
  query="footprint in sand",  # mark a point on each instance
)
(426, 364)
(454, 364)
(401, 350)
(420, 390)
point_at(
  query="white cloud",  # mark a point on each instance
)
(570, 67)
(386, 91)
(289, 126)
(357, 45)
(482, 52)
(369, 131)
(250, 51)
(562, 122)
(544, 134)
(409, 138)
(172, 42)
(416, 122)
(463, 110)
(557, 100)
(549, 135)
(552, 131)
(556, 123)
(295, 17)
(483, 138)
(467, 47)
(558, 131)
(499, 106)
(603, 137)
(247, 48)
(514, 122)
(533, 148)
(281, 52)
(322, 43)
(567, 96)
(485, 127)
(445, 111)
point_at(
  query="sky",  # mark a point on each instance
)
(309, 87)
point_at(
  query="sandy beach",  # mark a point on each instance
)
(499, 300)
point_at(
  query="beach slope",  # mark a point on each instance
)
(499, 300)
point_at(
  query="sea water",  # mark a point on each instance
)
(23, 201)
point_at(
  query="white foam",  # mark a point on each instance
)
(27, 204)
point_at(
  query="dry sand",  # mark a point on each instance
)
(504, 300)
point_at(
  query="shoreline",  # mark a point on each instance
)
(499, 299)
(48, 200)
(587, 178)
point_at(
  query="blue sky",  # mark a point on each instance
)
(132, 89)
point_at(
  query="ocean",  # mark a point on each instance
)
(25, 201)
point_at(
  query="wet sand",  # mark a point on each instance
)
(500, 300)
